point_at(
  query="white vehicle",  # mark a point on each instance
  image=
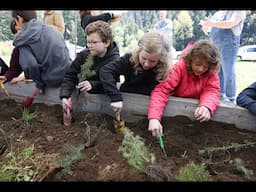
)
(247, 52)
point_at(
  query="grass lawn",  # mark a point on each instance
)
(245, 74)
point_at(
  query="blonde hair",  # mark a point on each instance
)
(154, 42)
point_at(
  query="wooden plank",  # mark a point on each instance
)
(22, 90)
(135, 105)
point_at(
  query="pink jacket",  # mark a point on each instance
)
(181, 83)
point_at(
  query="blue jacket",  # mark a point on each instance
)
(247, 98)
(43, 53)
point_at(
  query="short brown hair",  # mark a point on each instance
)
(102, 28)
(26, 15)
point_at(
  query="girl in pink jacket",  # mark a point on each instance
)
(194, 76)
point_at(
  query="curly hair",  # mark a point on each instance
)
(205, 50)
(153, 42)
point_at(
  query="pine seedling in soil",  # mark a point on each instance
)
(134, 150)
(193, 172)
(240, 167)
(27, 117)
(72, 154)
(209, 151)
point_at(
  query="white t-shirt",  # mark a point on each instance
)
(220, 16)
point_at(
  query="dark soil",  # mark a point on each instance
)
(101, 161)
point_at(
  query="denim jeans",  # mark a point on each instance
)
(228, 45)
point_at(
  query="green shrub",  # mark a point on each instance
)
(27, 117)
(19, 166)
(72, 154)
(193, 172)
(239, 164)
(134, 150)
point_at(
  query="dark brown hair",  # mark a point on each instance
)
(26, 15)
(84, 12)
(12, 26)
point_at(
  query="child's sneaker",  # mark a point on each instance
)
(227, 100)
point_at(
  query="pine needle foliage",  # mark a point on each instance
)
(239, 164)
(72, 154)
(134, 150)
(208, 151)
(193, 172)
(86, 69)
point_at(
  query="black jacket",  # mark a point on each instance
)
(72, 77)
(247, 98)
(141, 83)
(86, 19)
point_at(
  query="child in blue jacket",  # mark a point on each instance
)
(247, 98)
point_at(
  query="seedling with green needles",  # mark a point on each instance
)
(135, 151)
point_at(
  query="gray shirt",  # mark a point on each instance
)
(43, 53)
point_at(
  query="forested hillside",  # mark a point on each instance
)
(135, 22)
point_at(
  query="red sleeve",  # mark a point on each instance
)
(187, 48)
(160, 95)
(210, 96)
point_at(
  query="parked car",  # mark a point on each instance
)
(247, 52)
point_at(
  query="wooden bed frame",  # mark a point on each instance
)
(135, 105)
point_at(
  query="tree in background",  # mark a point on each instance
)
(5, 20)
(183, 30)
(248, 33)
(134, 23)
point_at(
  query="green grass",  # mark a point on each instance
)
(245, 74)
